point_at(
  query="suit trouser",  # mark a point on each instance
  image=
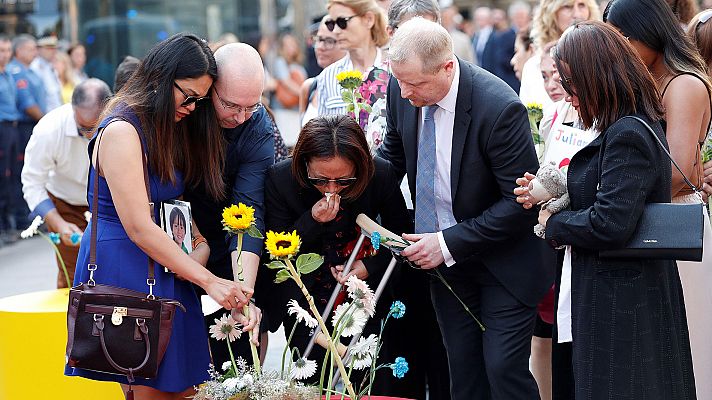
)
(20, 210)
(8, 153)
(493, 364)
(73, 215)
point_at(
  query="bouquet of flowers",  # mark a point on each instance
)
(54, 239)
(536, 113)
(365, 99)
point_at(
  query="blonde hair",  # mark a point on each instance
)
(66, 77)
(544, 27)
(379, 35)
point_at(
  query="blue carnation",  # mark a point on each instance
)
(75, 238)
(400, 367)
(54, 237)
(376, 240)
(397, 309)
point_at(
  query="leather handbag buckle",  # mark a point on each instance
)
(117, 317)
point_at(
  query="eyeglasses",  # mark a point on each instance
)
(190, 99)
(237, 108)
(342, 22)
(84, 131)
(566, 84)
(327, 43)
(343, 182)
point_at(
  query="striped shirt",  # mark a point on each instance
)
(330, 101)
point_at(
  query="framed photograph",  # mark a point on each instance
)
(176, 221)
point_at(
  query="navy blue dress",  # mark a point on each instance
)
(123, 264)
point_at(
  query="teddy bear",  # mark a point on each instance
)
(549, 190)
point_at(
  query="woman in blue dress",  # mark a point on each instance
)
(163, 104)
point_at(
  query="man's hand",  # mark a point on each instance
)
(55, 223)
(425, 252)
(357, 268)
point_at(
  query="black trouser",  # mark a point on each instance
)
(493, 364)
(8, 154)
(20, 211)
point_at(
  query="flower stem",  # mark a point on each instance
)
(59, 257)
(284, 352)
(467, 309)
(246, 308)
(232, 357)
(324, 330)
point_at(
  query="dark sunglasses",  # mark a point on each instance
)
(327, 43)
(342, 22)
(343, 182)
(566, 85)
(190, 99)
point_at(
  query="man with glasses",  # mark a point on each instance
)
(462, 137)
(54, 177)
(248, 130)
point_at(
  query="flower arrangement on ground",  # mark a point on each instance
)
(238, 381)
(54, 239)
(535, 112)
(238, 220)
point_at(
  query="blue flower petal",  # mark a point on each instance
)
(54, 237)
(399, 367)
(397, 309)
(376, 240)
(75, 238)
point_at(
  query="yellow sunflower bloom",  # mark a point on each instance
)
(282, 245)
(350, 79)
(238, 218)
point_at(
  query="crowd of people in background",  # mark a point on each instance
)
(448, 153)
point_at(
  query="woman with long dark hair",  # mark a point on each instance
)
(681, 77)
(625, 318)
(162, 108)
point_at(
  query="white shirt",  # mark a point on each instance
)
(444, 122)
(532, 88)
(46, 72)
(56, 160)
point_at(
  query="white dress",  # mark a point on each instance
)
(696, 278)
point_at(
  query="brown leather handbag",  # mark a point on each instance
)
(116, 330)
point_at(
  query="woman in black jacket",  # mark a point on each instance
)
(330, 180)
(625, 318)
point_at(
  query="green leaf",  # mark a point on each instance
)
(307, 263)
(282, 276)
(254, 232)
(367, 108)
(275, 265)
(347, 96)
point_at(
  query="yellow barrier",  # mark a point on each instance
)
(33, 336)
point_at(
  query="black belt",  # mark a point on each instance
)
(9, 123)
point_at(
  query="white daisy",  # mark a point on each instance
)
(32, 230)
(363, 351)
(301, 314)
(351, 323)
(302, 369)
(358, 290)
(225, 328)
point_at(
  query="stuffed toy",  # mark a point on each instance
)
(549, 190)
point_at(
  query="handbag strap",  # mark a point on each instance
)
(92, 266)
(662, 146)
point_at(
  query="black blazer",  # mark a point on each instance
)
(288, 207)
(491, 148)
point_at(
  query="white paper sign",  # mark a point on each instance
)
(565, 141)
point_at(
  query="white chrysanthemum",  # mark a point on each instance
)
(363, 351)
(352, 322)
(301, 314)
(302, 369)
(247, 380)
(226, 365)
(231, 385)
(363, 295)
(32, 230)
(225, 328)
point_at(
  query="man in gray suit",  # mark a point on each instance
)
(463, 138)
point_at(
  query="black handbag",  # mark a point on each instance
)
(116, 330)
(665, 230)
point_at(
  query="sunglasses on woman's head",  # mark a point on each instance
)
(343, 182)
(704, 17)
(342, 22)
(190, 99)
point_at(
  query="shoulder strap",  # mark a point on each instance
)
(709, 95)
(95, 208)
(657, 139)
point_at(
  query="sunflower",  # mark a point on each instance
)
(350, 79)
(282, 245)
(238, 218)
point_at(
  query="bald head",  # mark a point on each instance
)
(239, 85)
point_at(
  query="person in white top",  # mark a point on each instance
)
(42, 65)
(54, 177)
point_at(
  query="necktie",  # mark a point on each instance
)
(425, 215)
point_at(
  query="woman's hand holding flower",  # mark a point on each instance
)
(522, 191)
(358, 269)
(251, 323)
(227, 293)
(326, 208)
